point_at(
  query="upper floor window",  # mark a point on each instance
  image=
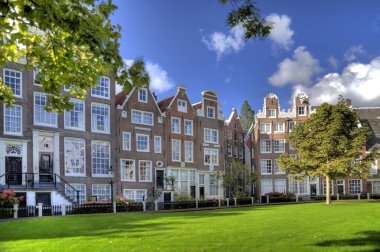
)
(176, 150)
(188, 151)
(211, 136)
(102, 90)
(41, 116)
(75, 156)
(13, 79)
(373, 168)
(211, 156)
(145, 174)
(176, 125)
(143, 95)
(13, 120)
(235, 152)
(142, 117)
(291, 125)
(279, 145)
(100, 118)
(271, 113)
(128, 170)
(301, 111)
(188, 127)
(74, 119)
(100, 157)
(142, 142)
(279, 127)
(36, 76)
(276, 167)
(229, 150)
(127, 141)
(157, 144)
(182, 106)
(265, 146)
(266, 166)
(265, 128)
(210, 112)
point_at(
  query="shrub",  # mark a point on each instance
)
(183, 197)
(8, 198)
(121, 200)
(240, 194)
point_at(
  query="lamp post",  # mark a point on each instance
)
(111, 181)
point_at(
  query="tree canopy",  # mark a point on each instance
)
(246, 115)
(329, 143)
(238, 176)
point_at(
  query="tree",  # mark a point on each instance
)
(330, 144)
(73, 42)
(246, 115)
(237, 177)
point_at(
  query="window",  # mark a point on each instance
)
(279, 145)
(142, 143)
(235, 154)
(128, 170)
(266, 186)
(100, 118)
(75, 157)
(184, 181)
(136, 195)
(265, 128)
(176, 150)
(41, 116)
(73, 194)
(145, 168)
(127, 141)
(266, 166)
(143, 95)
(229, 134)
(36, 76)
(13, 120)
(354, 186)
(276, 168)
(213, 185)
(298, 187)
(188, 151)
(74, 119)
(280, 185)
(291, 125)
(265, 146)
(13, 80)
(188, 127)
(271, 113)
(102, 90)
(201, 179)
(301, 111)
(241, 155)
(101, 192)
(182, 106)
(176, 125)
(210, 112)
(211, 156)
(211, 136)
(157, 144)
(142, 117)
(373, 168)
(279, 127)
(376, 187)
(324, 187)
(100, 156)
(229, 150)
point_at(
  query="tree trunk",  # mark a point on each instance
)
(328, 198)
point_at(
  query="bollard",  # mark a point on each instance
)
(39, 209)
(296, 198)
(267, 199)
(155, 205)
(228, 202)
(63, 209)
(196, 204)
(252, 200)
(358, 196)
(368, 197)
(144, 205)
(337, 196)
(15, 213)
(114, 207)
(235, 201)
(219, 202)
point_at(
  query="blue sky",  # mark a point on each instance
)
(324, 48)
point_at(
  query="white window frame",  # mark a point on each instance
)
(141, 116)
(93, 142)
(146, 95)
(150, 171)
(18, 72)
(211, 153)
(276, 167)
(269, 185)
(179, 145)
(360, 186)
(103, 187)
(284, 185)
(134, 192)
(81, 141)
(293, 123)
(179, 125)
(266, 171)
(276, 127)
(68, 113)
(229, 150)
(211, 140)
(157, 144)
(276, 147)
(192, 151)
(127, 142)
(373, 168)
(97, 89)
(13, 133)
(269, 113)
(35, 73)
(182, 108)
(107, 123)
(137, 143)
(122, 166)
(79, 187)
(304, 111)
(43, 109)
(376, 188)
(185, 127)
(264, 128)
(213, 113)
(262, 146)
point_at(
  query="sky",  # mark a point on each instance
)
(323, 48)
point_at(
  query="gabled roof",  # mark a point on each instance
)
(197, 106)
(120, 97)
(165, 103)
(370, 117)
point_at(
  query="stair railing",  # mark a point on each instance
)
(65, 186)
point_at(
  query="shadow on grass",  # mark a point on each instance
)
(366, 238)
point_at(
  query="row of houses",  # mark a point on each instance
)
(133, 145)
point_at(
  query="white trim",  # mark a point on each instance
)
(271, 167)
(154, 143)
(34, 112)
(135, 193)
(137, 145)
(146, 95)
(178, 107)
(21, 84)
(130, 140)
(214, 112)
(277, 131)
(142, 116)
(361, 185)
(22, 116)
(109, 89)
(217, 157)
(211, 135)
(134, 170)
(64, 157)
(179, 125)
(180, 150)
(150, 171)
(192, 151)
(192, 127)
(275, 113)
(84, 116)
(109, 118)
(271, 147)
(109, 158)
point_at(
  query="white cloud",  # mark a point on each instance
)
(353, 53)
(281, 33)
(358, 81)
(298, 70)
(333, 62)
(223, 44)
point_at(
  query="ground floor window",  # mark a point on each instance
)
(324, 187)
(213, 185)
(298, 187)
(354, 186)
(183, 180)
(266, 186)
(135, 194)
(72, 193)
(376, 186)
(280, 185)
(102, 192)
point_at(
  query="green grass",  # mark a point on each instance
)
(344, 226)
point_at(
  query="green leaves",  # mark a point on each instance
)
(246, 115)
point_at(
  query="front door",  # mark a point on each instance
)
(340, 186)
(46, 167)
(160, 179)
(13, 169)
(313, 189)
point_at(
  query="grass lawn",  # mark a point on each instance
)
(344, 226)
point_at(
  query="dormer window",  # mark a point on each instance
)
(143, 95)
(182, 106)
(301, 111)
(271, 113)
(210, 112)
